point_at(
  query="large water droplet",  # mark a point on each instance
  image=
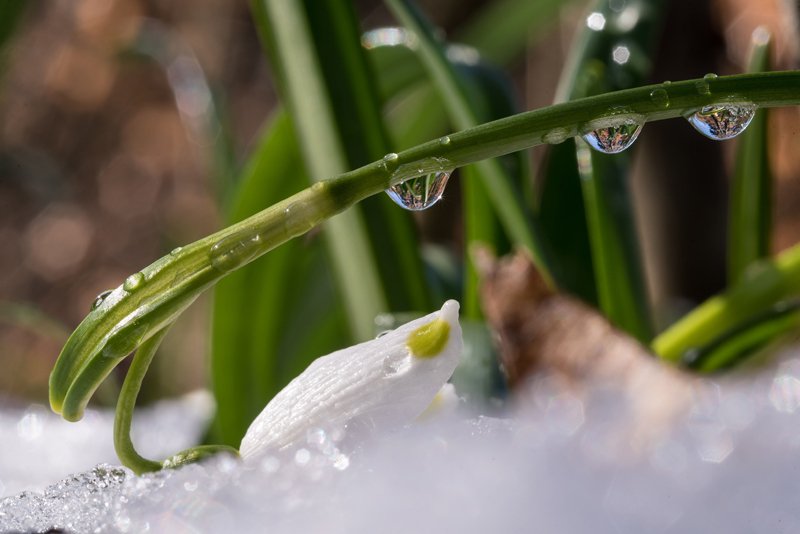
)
(133, 282)
(614, 138)
(723, 121)
(419, 193)
(444, 141)
(98, 300)
(660, 98)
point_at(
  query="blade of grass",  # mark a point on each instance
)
(750, 211)
(481, 224)
(455, 96)
(285, 30)
(350, 84)
(613, 254)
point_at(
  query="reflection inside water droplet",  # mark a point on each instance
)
(722, 121)
(98, 300)
(421, 192)
(614, 138)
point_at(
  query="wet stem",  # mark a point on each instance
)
(139, 317)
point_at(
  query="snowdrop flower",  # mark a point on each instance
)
(374, 386)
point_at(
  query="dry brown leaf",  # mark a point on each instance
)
(540, 331)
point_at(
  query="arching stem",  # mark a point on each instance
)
(123, 417)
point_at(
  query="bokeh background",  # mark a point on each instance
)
(123, 122)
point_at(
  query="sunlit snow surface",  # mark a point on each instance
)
(555, 464)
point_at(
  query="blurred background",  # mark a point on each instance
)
(123, 124)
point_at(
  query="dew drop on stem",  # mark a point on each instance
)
(556, 136)
(133, 282)
(98, 300)
(390, 162)
(421, 192)
(722, 121)
(660, 98)
(614, 138)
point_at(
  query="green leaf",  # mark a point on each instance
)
(255, 306)
(617, 265)
(351, 85)
(600, 243)
(284, 26)
(750, 212)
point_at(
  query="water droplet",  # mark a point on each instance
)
(444, 141)
(666, 82)
(133, 282)
(556, 136)
(702, 86)
(396, 364)
(232, 252)
(660, 98)
(614, 137)
(391, 161)
(722, 121)
(98, 300)
(175, 251)
(419, 193)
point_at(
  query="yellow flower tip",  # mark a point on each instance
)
(429, 340)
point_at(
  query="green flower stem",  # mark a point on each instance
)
(126, 403)
(127, 318)
(762, 286)
(124, 417)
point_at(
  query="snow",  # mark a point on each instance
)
(554, 463)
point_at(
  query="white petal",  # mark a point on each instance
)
(376, 385)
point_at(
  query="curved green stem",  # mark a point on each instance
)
(126, 403)
(133, 313)
(762, 286)
(123, 417)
